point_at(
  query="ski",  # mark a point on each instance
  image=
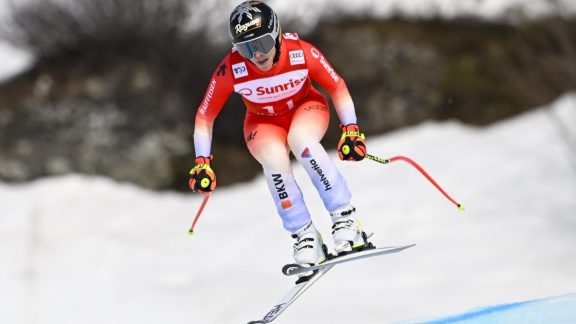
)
(300, 287)
(317, 272)
(294, 268)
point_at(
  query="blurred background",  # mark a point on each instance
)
(111, 87)
(97, 107)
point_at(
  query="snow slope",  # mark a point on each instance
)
(77, 249)
(556, 310)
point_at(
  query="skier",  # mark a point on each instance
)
(285, 113)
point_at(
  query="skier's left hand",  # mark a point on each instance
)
(202, 177)
(351, 146)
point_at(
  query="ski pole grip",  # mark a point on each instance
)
(377, 159)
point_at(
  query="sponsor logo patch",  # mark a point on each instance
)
(315, 52)
(296, 57)
(280, 187)
(306, 153)
(240, 70)
(286, 204)
(244, 28)
(221, 70)
(251, 136)
(275, 88)
(292, 36)
(323, 178)
(208, 97)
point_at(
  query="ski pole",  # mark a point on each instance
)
(206, 196)
(424, 173)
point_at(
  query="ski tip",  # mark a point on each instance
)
(288, 268)
(461, 207)
(190, 232)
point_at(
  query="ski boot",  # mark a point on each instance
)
(309, 248)
(347, 231)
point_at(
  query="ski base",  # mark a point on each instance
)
(301, 286)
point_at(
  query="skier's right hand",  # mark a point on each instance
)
(202, 177)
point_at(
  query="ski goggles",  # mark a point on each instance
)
(263, 44)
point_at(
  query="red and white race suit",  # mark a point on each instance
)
(285, 113)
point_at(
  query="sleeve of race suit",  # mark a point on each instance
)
(219, 89)
(322, 72)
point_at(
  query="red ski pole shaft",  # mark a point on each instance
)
(419, 168)
(204, 201)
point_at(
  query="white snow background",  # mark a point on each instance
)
(78, 249)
